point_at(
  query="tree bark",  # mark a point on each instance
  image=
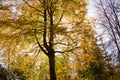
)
(52, 66)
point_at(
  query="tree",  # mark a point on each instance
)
(109, 19)
(88, 60)
(42, 23)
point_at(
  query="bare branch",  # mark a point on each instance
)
(31, 50)
(59, 20)
(41, 46)
(67, 50)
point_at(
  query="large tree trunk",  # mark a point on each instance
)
(52, 66)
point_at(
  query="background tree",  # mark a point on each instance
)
(88, 60)
(108, 21)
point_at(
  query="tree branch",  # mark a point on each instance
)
(67, 50)
(32, 6)
(41, 46)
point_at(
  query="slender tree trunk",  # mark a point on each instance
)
(52, 66)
